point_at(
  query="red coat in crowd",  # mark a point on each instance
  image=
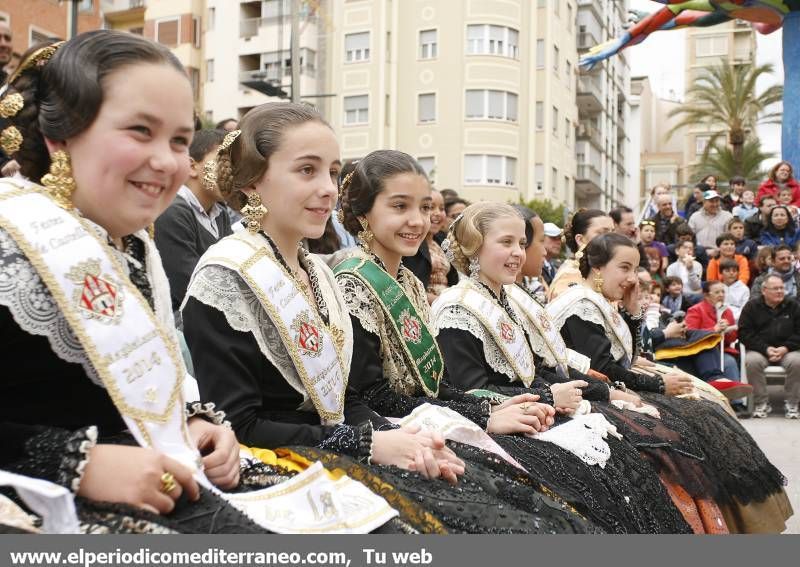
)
(769, 187)
(703, 316)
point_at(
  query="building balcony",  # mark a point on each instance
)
(589, 178)
(590, 94)
(587, 40)
(250, 27)
(590, 133)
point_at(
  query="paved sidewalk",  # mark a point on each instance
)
(779, 438)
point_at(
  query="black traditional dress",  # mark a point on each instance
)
(386, 383)
(242, 361)
(748, 488)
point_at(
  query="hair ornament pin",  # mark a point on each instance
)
(447, 248)
(36, 59)
(457, 220)
(11, 104)
(229, 139)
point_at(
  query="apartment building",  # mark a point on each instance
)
(34, 21)
(603, 109)
(248, 54)
(480, 91)
(733, 41)
(653, 158)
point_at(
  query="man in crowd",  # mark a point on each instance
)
(667, 220)
(769, 328)
(552, 247)
(709, 222)
(783, 268)
(195, 220)
(624, 222)
(755, 225)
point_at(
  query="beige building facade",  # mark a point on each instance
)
(480, 91)
(603, 109)
(706, 47)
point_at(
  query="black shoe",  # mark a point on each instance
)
(741, 411)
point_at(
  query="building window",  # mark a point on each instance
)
(86, 5)
(538, 175)
(428, 46)
(540, 54)
(490, 170)
(700, 144)
(196, 32)
(168, 31)
(555, 59)
(493, 105)
(194, 77)
(554, 181)
(568, 72)
(540, 116)
(212, 18)
(210, 70)
(570, 20)
(356, 47)
(484, 39)
(426, 107)
(356, 109)
(428, 163)
(555, 121)
(567, 129)
(711, 46)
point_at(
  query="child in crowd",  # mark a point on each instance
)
(726, 243)
(785, 198)
(737, 294)
(655, 264)
(746, 207)
(687, 268)
(647, 235)
(673, 299)
(744, 246)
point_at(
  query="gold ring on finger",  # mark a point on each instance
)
(168, 483)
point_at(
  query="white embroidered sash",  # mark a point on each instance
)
(509, 336)
(591, 306)
(143, 373)
(314, 347)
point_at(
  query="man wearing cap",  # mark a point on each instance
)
(710, 221)
(552, 246)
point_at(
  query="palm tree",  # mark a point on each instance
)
(725, 101)
(721, 163)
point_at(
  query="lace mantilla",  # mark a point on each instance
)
(588, 311)
(33, 308)
(224, 290)
(457, 317)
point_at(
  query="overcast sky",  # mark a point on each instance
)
(662, 57)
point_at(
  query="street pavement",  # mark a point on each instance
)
(779, 438)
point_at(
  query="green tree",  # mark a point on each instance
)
(546, 209)
(720, 162)
(725, 101)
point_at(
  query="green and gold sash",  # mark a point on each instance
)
(420, 349)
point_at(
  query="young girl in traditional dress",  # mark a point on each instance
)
(385, 203)
(272, 340)
(600, 318)
(101, 127)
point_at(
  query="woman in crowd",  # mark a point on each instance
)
(582, 227)
(404, 349)
(655, 265)
(780, 177)
(98, 407)
(273, 342)
(430, 264)
(647, 235)
(781, 228)
(707, 315)
(748, 488)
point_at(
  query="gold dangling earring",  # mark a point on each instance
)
(253, 212)
(365, 235)
(598, 282)
(59, 181)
